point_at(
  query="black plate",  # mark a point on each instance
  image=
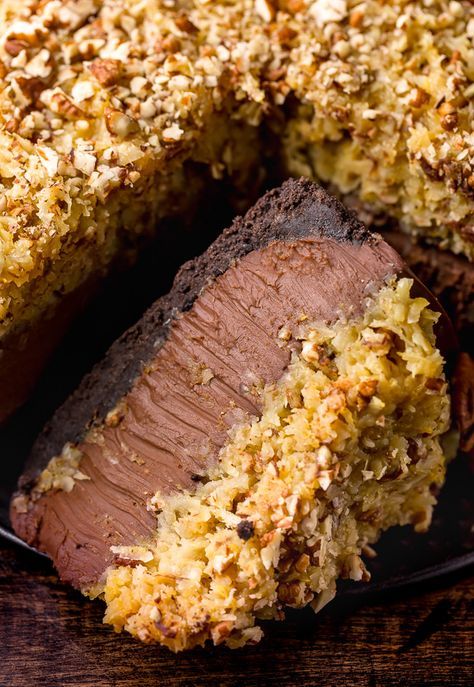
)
(403, 556)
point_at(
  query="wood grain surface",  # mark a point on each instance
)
(50, 636)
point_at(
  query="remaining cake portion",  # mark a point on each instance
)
(245, 443)
(116, 114)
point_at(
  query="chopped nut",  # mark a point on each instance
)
(82, 90)
(120, 124)
(31, 87)
(370, 114)
(420, 98)
(310, 352)
(169, 44)
(49, 159)
(326, 11)
(221, 631)
(325, 478)
(63, 106)
(449, 116)
(222, 562)
(302, 563)
(368, 387)
(107, 71)
(265, 10)
(294, 594)
(14, 46)
(286, 35)
(172, 133)
(185, 24)
(356, 18)
(323, 457)
(354, 568)
(450, 121)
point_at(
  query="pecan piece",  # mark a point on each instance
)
(120, 124)
(183, 23)
(106, 71)
(14, 46)
(64, 107)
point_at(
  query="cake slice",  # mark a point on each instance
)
(118, 114)
(242, 446)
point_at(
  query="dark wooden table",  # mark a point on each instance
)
(424, 635)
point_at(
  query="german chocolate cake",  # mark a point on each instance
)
(115, 115)
(245, 444)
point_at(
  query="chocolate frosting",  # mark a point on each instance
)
(203, 370)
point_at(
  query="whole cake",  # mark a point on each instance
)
(118, 113)
(244, 445)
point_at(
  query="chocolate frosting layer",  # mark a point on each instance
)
(202, 367)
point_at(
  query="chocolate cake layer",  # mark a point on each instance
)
(154, 414)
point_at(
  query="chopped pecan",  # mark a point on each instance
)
(292, 6)
(169, 44)
(12, 125)
(14, 46)
(294, 594)
(286, 35)
(63, 106)
(106, 71)
(420, 98)
(368, 388)
(449, 116)
(265, 10)
(450, 121)
(31, 87)
(356, 19)
(119, 123)
(221, 631)
(185, 24)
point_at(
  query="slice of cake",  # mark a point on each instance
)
(238, 450)
(116, 114)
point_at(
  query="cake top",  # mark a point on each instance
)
(94, 95)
